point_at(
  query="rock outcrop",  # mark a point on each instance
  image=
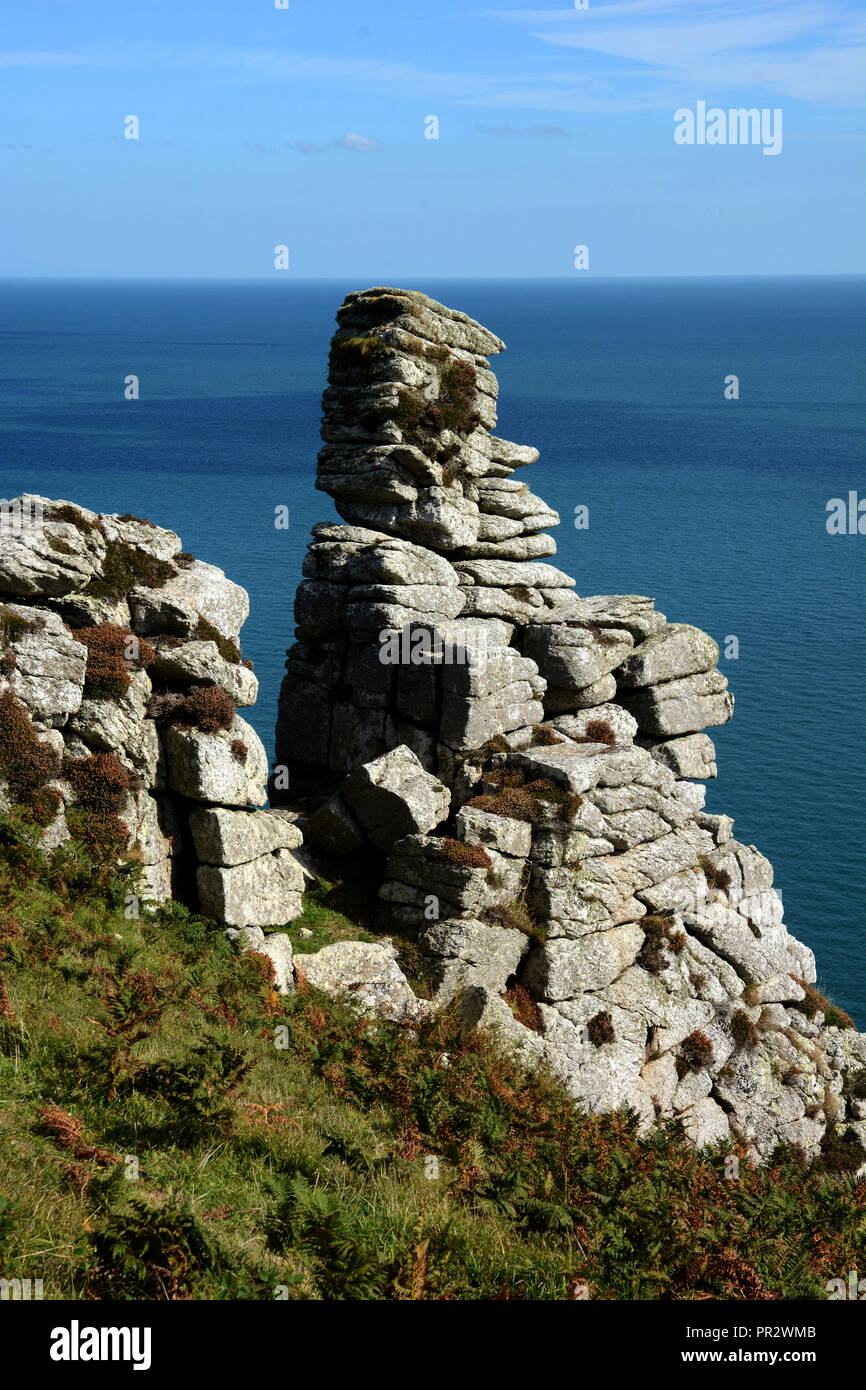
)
(529, 765)
(120, 680)
(521, 768)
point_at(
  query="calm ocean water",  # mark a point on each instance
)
(714, 507)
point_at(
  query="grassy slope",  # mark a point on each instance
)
(307, 1166)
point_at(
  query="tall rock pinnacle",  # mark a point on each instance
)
(525, 767)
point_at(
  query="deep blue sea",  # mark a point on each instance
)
(717, 508)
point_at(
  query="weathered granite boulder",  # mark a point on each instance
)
(45, 665)
(48, 548)
(571, 656)
(675, 651)
(200, 663)
(196, 591)
(681, 706)
(204, 766)
(464, 953)
(366, 975)
(333, 828)
(227, 837)
(564, 969)
(693, 755)
(276, 946)
(393, 796)
(263, 892)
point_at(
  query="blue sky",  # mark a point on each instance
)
(261, 126)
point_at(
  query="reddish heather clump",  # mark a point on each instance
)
(505, 777)
(544, 736)
(717, 878)
(696, 1051)
(467, 856)
(600, 1029)
(112, 652)
(524, 1007)
(742, 1029)
(512, 802)
(659, 938)
(26, 764)
(100, 782)
(206, 707)
(600, 731)
(815, 1002)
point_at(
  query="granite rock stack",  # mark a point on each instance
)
(529, 766)
(120, 681)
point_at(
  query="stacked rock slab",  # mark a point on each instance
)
(532, 762)
(108, 626)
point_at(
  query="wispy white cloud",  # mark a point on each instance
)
(41, 59)
(304, 147)
(808, 49)
(628, 55)
(361, 144)
(535, 132)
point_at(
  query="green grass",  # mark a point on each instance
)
(306, 1167)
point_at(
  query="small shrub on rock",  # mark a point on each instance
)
(100, 782)
(126, 567)
(454, 409)
(513, 802)
(815, 1003)
(206, 632)
(524, 1007)
(42, 806)
(66, 512)
(467, 856)
(696, 1051)
(600, 1029)
(546, 737)
(516, 916)
(162, 707)
(14, 625)
(715, 876)
(598, 731)
(239, 750)
(566, 802)
(354, 354)
(478, 757)
(505, 777)
(659, 938)
(206, 707)
(26, 764)
(840, 1152)
(108, 665)
(742, 1029)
